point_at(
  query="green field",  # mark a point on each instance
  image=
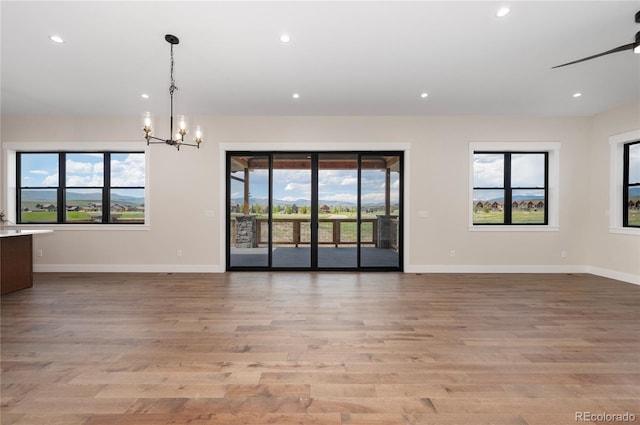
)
(634, 217)
(81, 217)
(518, 217)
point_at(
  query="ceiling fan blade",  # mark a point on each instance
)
(617, 49)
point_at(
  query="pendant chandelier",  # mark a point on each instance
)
(177, 139)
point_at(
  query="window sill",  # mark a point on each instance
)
(85, 227)
(625, 231)
(515, 228)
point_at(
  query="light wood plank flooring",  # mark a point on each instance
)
(319, 349)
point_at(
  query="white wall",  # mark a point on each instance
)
(183, 185)
(611, 254)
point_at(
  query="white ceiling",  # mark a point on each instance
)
(344, 58)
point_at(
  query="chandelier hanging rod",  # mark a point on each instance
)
(182, 122)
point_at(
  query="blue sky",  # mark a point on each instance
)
(83, 170)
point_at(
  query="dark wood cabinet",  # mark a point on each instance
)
(16, 263)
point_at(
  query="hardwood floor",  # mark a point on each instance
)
(319, 349)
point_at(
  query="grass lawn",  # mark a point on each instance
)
(518, 217)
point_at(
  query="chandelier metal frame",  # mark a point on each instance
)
(182, 130)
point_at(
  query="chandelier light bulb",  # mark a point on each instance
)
(182, 122)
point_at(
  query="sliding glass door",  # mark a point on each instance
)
(314, 211)
(337, 210)
(291, 211)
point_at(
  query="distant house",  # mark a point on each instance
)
(480, 204)
(530, 205)
(495, 206)
(325, 209)
(48, 207)
(540, 204)
(515, 204)
(638, 204)
(72, 207)
(118, 207)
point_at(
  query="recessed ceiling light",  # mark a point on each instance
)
(503, 11)
(144, 96)
(577, 94)
(296, 96)
(424, 95)
(285, 38)
(56, 39)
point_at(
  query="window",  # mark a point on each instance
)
(80, 187)
(631, 185)
(623, 183)
(510, 188)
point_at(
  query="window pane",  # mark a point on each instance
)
(127, 206)
(488, 170)
(292, 210)
(249, 202)
(84, 169)
(38, 206)
(39, 170)
(634, 165)
(527, 207)
(83, 205)
(380, 211)
(127, 170)
(633, 209)
(488, 206)
(527, 170)
(338, 189)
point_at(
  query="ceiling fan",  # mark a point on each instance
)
(635, 46)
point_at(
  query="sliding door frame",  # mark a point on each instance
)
(320, 147)
(314, 219)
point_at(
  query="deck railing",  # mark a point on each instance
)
(331, 231)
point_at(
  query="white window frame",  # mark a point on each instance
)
(553, 191)
(10, 150)
(616, 168)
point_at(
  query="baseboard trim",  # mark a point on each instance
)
(494, 269)
(612, 274)
(214, 268)
(127, 268)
